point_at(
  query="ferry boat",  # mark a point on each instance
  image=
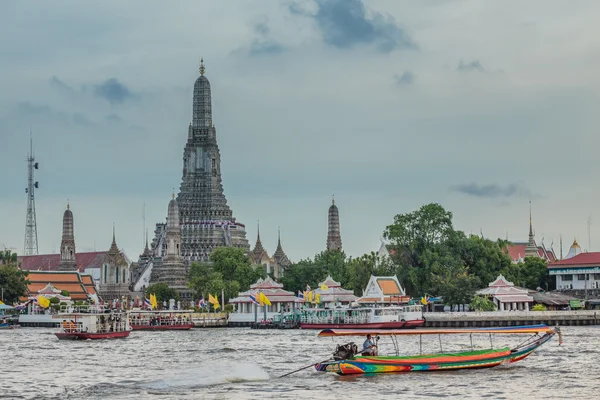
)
(93, 323)
(165, 320)
(390, 317)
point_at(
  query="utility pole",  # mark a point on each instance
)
(31, 238)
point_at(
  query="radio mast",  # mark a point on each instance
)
(31, 238)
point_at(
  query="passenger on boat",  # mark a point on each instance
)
(369, 348)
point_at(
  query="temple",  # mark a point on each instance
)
(517, 251)
(332, 294)
(334, 238)
(205, 219)
(67, 245)
(115, 275)
(274, 266)
(383, 290)
(574, 250)
(506, 296)
(170, 268)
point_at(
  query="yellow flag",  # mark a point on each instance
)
(264, 299)
(43, 302)
(214, 301)
(153, 302)
(318, 298)
(310, 296)
(424, 300)
(1, 302)
(324, 287)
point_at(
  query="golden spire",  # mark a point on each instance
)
(202, 69)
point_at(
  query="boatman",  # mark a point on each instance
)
(369, 348)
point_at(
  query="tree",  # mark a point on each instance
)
(304, 272)
(532, 273)
(13, 281)
(482, 303)
(227, 260)
(162, 291)
(334, 262)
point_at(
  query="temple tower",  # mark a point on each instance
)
(280, 258)
(334, 239)
(67, 245)
(531, 250)
(171, 270)
(259, 255)
(205, 219)
(115, 276)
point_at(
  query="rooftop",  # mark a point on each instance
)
(591, 259)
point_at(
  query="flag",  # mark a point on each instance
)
(147, 303)
(307, 287)
(43, 302)
(318, 298)
(300, 295)
(201, 303)
(424, 300)
(1, 302)
(324, 287)
(153, 302)
(264, 299)
(214, 301)
(253, 298)
(310, 296)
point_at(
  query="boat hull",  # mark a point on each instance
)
(183, 327)
(375, 325)
(91, 336)
(433, 362)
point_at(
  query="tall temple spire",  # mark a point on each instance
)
(334, 238)
(202, 69)
(531, 250)
(114, 249)
(67, 245)
(201, 200)
(259, 253)
(279, 256)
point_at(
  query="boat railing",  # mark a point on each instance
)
(86, 309)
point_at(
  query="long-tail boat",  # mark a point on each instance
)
(347, 359)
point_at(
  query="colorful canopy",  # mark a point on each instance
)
(531, 329)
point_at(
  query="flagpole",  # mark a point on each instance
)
(222, 299)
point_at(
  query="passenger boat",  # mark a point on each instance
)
(347, 360)
(165, 320)
(93, 323)
(391, 317)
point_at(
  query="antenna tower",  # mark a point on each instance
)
(589, 226)
(31, 238)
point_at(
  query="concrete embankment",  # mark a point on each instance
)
(510, 318)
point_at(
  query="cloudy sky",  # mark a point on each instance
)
(480, 106)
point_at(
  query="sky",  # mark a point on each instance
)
(389, 105)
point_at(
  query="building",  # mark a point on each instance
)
(67, 245)
(334, 238)
(115, 277)
(506, 296)
(384, 290)
(247, 312)
(580, 274)
(574, 250)
(334, 295)
(274, 266)
(205, 219)
(52, 283)
(86, 263)
(517, 251)
(170, 268)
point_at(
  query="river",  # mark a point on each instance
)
(239, 363)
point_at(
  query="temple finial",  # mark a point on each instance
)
(333, 199)
(278, 235)
(202, 69)
(68, 204)
(530, 222)
(114, 241)
(173, 194)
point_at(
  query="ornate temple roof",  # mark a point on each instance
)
(279, 256)
(384, 289)
(71, 281)
(506, 291)
(114, 255)
(259, 252)
(574, 250)
(334, 292)
(273, 290)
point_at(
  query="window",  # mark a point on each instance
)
(597, 277)
(566, 278)
(581, 277)
(123, 276)
(117, 276)
(105, 272)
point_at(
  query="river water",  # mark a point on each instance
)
(239, 363)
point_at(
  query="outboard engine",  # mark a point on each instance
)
(345, 351)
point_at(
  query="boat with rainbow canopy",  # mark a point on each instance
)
(348, 360)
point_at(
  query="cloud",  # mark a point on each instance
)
(492, 191)
(407, 78)
(347, 23)
(474, 65)
(113, 91)
(60, 85)
(262, 42)
(47, 113)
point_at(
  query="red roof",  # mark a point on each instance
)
(49, 262)
(517, 252)
(591, 259)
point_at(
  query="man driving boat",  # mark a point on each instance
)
(369, 348)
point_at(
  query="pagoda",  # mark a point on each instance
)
(205, 219)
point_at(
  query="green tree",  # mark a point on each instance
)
(227, 260)
(305, 272)
(162, 291)
(482, 303)
(334, 262)
(13, 281)
(532, 273)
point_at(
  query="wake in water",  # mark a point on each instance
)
(209, 374)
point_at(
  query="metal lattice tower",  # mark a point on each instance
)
(31, 239)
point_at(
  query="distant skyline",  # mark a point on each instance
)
(389, 105)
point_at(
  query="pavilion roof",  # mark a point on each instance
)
(329, 282)
(71, 281)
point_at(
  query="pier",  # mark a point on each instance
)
(510, 318)
(209, 320)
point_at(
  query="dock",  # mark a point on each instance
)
(209, 320)
(510, 318)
